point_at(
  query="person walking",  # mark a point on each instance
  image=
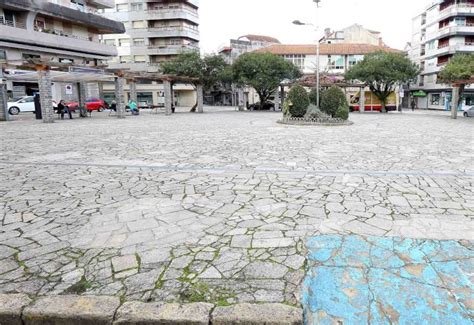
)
(62, 108)
(413, 105)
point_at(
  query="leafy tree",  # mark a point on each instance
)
(333, 101)
(459, 72)
(298, 97)
(209, 71)
(382, 72)
(263, 72)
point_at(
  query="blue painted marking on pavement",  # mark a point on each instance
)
(379, 280)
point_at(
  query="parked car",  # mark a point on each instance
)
(22, 104)
(266, 107)
(469, 112)
(92, 104)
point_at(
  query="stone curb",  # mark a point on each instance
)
(19, 309)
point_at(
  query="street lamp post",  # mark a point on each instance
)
(316, 29)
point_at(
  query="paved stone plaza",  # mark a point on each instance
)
(218, 206)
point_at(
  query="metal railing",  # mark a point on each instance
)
(172, 10)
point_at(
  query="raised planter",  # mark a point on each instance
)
(316, 122)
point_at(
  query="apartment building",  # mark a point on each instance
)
(54, 31)
(156, 31)
(445, 28)
(244, 44)
(354, 34)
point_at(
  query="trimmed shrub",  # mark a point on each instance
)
(313, 96)
(343, 113)
(332, 100)
(314, 113)
(299, 100)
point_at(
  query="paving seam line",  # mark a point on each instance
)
(197, 169)
(20, 309)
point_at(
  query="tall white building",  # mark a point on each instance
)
(445, 28)
(156, 31)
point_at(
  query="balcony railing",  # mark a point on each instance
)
(171, 49)
(173, 11)
(62, 33)
(12, 23)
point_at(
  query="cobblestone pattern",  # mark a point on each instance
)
(216, 207)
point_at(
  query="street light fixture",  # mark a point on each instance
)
(316, 28)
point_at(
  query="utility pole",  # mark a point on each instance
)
(316, 27)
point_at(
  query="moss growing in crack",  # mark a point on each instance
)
(21, 263)
(79, 287)
(139, 261)
(202, 292)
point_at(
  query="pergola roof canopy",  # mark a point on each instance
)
(58, 76)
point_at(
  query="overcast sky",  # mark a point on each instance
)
(222, 20)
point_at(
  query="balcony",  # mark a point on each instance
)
(174, 32)
(102, 4)
(451, 31)
(194, 3)
(451, 49)
(172, 14)
(53, 42)
(462, 9)
(72, 15)
(170, 49)
(432, 69)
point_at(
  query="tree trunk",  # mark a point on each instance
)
(455, 103)
(263, 99)
(384, 107)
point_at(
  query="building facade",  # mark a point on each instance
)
(445, 28)
(354, 34)
(156, 31)
(244, 44)
(334, 60)
(54, 31)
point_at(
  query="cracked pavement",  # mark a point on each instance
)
(217, 207)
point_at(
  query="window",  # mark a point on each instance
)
(27, 56)
(125, 59)
(460, 21)
(79, 5)
(121, 7)
(296, 59)
(124, 42)
(3, 56)
(136, 6)
(140, 58)
(354, 59)
(40, 24)
(435, 99)
(336, 62)
(138, 24)
(66, 60)
(110, 42)
(139, 42)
